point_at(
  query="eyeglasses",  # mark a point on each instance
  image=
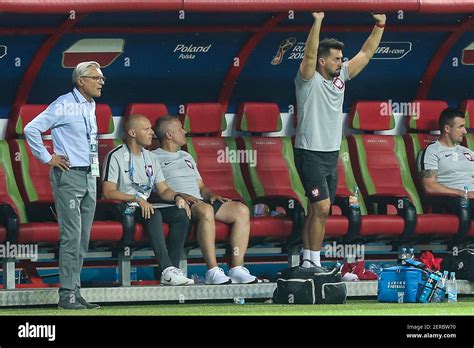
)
(96, 78)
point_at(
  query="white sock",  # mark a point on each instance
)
(306, 256)
(316, 257)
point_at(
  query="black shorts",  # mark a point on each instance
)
(318, 173)
(216, 206)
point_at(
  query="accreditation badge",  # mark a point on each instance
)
(94, 156)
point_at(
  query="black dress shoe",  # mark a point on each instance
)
(66, 304)
(86, 304)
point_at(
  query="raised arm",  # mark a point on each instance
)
(308, 65)
(361, 59)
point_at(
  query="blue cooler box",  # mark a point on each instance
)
(400, 284)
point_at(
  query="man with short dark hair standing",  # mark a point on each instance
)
(320, 85)
(74, 168)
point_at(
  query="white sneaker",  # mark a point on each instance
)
(175, 276)
(241, 275)
(216, 276)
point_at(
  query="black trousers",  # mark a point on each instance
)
(168, 252)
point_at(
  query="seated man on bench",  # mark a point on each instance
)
(182, 175)
(130, 174)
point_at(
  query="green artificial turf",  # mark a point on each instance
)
(465, 306)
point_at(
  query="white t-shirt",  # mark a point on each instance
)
(130, 172)
(180, 171)
(455, 165)
(319, 106)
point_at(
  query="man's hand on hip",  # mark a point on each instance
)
(59, 161)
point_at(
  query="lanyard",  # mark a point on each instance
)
(86, 124)
(148, 170)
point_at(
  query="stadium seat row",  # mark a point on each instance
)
(391, 205)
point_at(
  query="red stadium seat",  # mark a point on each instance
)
(381, 164)
(151, 110)
(25, 114)
(467, 107)
(422, 132)
(372, 226)
(429, 111)
(204, 118)
(223, 176)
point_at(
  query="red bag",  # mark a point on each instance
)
(433, 263)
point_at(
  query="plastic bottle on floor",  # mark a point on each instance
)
(452, 288)
(239, 300)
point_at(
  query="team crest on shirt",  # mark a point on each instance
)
(468, 156)
(189, 163)
(338, 83)
(315, 192)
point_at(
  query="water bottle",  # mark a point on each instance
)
(440, 292)
(338, 266)
(403, 256)
(129, 210)
(133, 274)
(412, 254)
(261, 210)
(354, 198)
(452, 288)
(465, 198)
(444, 284)
(239, 300)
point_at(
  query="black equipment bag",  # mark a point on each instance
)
(312, 285)
(460, 262)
